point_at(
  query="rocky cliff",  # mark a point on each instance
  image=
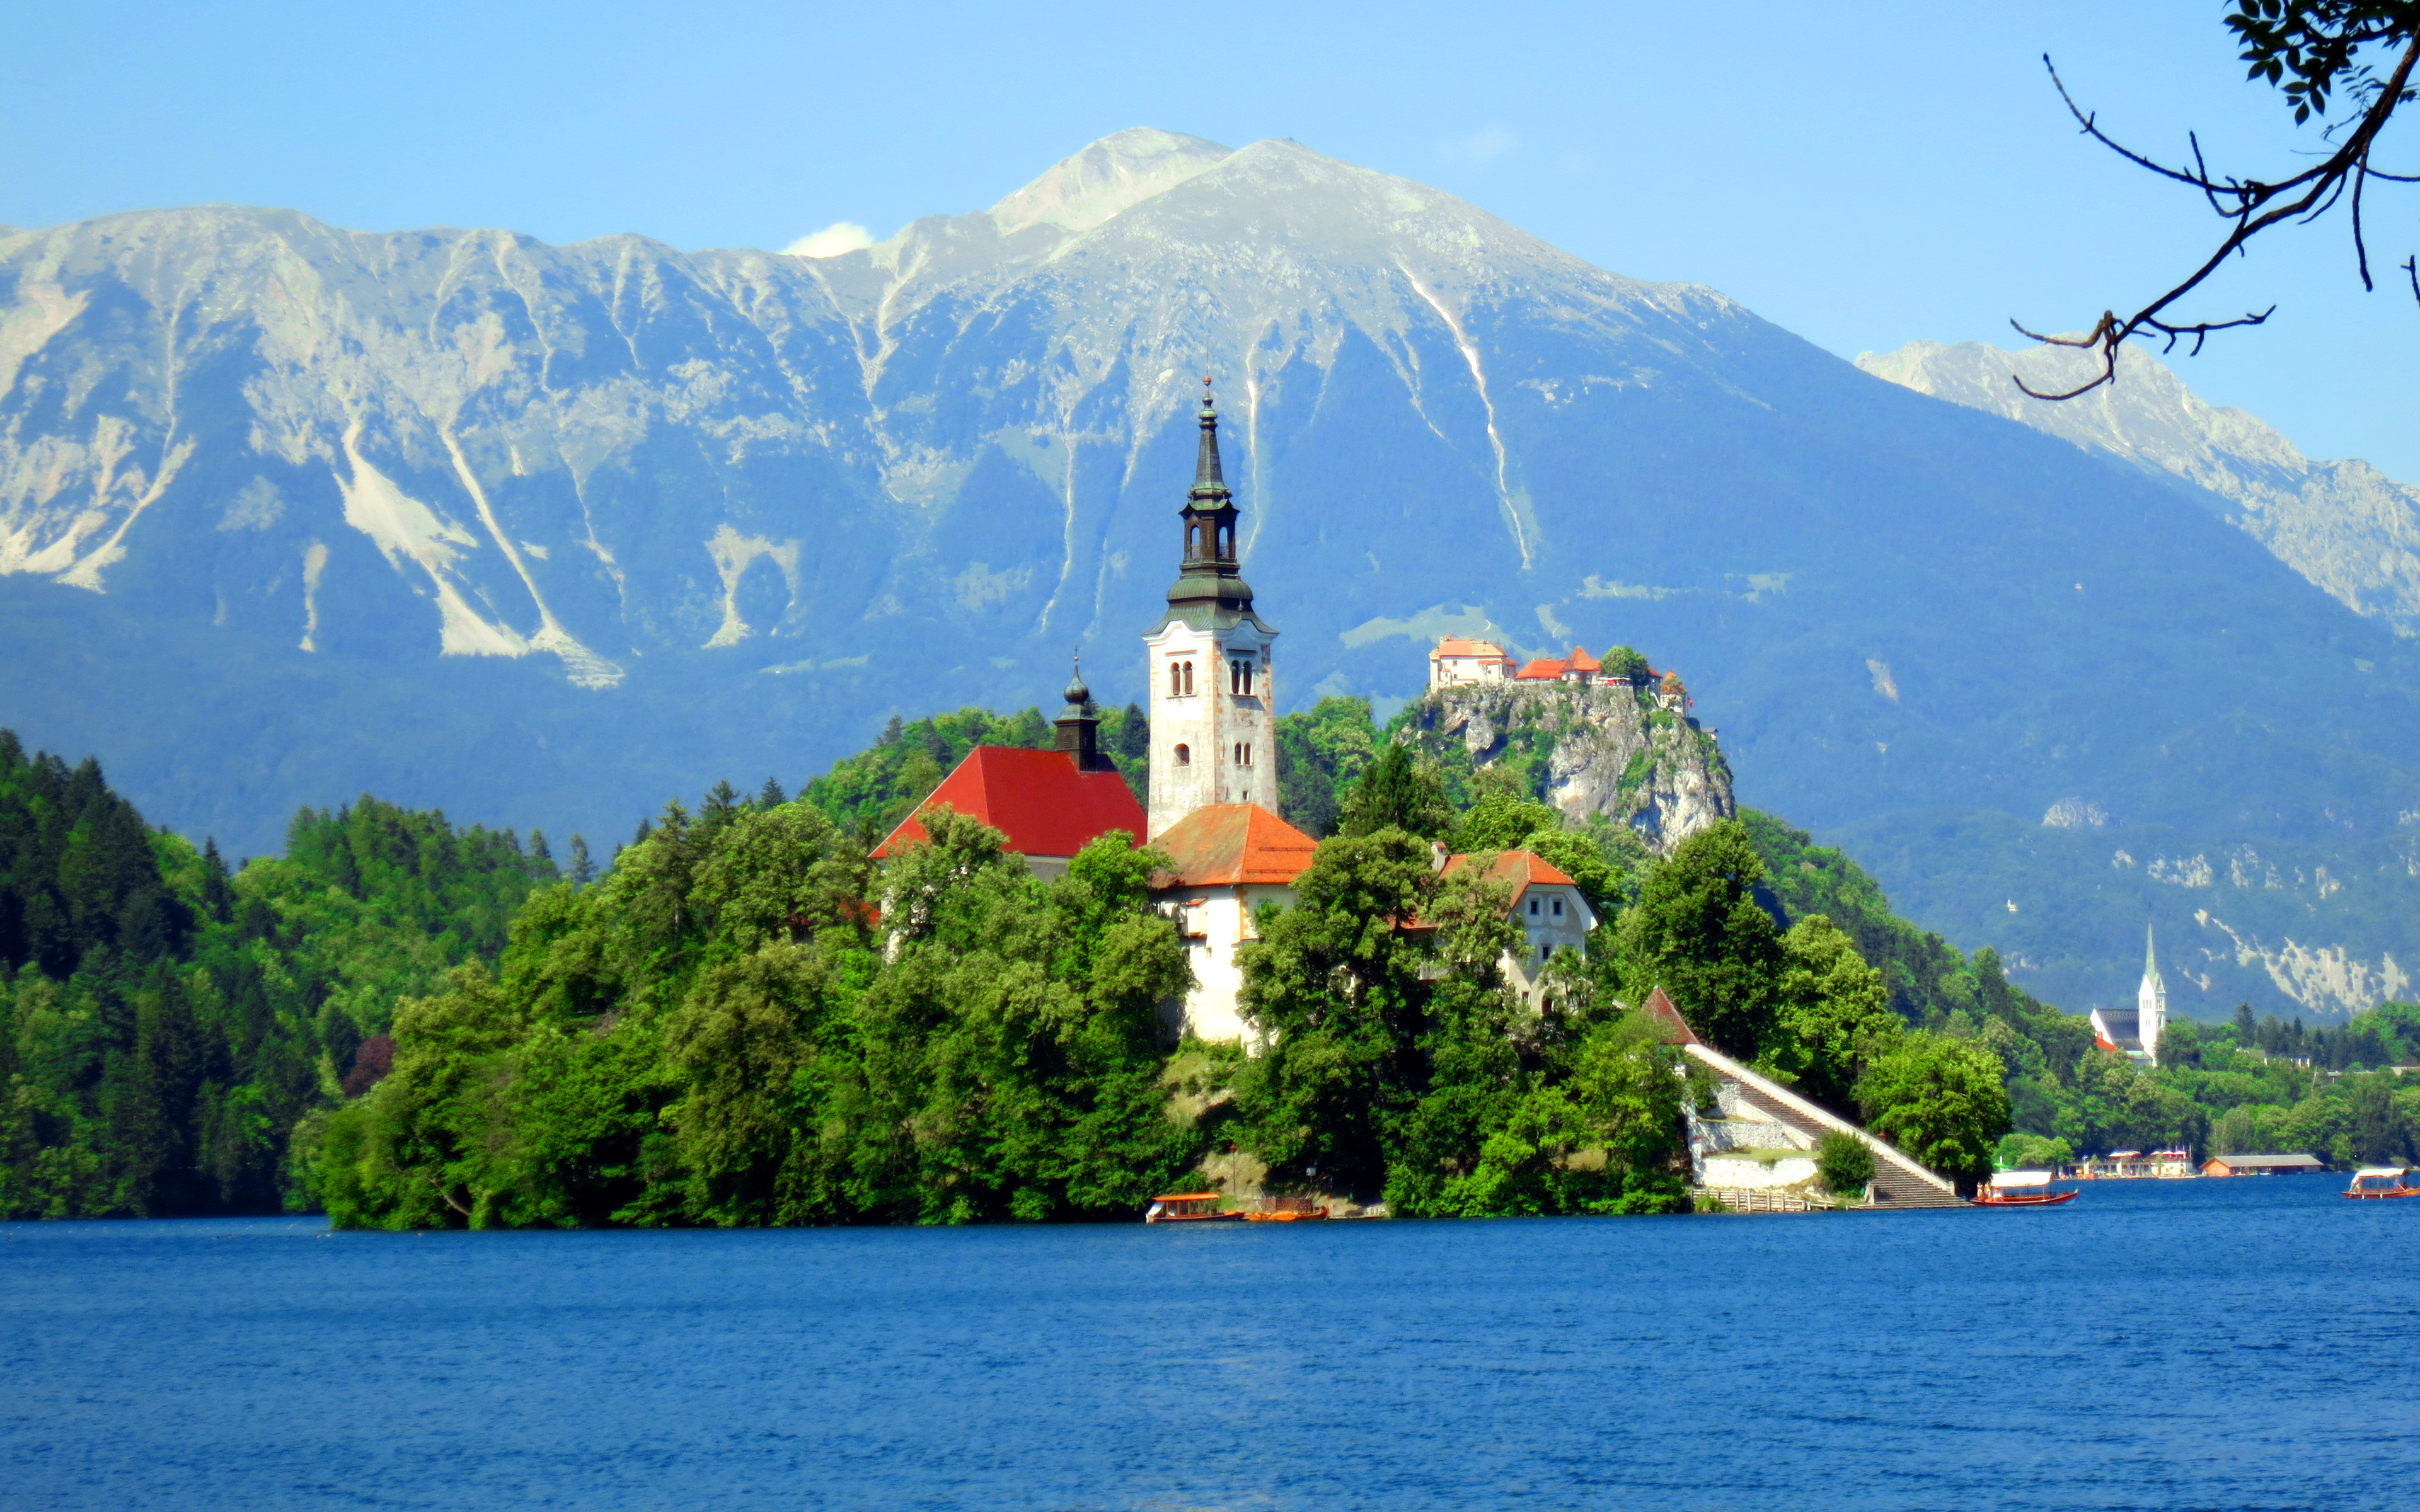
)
(1609, 748)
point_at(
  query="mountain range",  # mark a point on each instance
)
(546, 534)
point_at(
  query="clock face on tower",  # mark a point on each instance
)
(1212, 719)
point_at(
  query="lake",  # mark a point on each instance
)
(2187, 1344)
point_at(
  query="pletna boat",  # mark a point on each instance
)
(2382, 1181)
(2021, 1189)
(1189, 1208)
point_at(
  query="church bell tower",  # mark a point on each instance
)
(1213, 710)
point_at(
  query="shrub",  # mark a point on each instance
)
(1843, 1164)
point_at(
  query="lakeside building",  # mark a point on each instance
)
(1229, 859)
(2135, 1031)
(2136, 1166)
(1213, 792)
(2295, 1165)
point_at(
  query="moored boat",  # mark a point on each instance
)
(2021, 1189)
(1189, 1208)
(2382, 1181)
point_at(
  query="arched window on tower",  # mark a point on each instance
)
(1175, 679)
(1184, 756)
(1188, 678)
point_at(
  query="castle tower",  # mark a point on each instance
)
(1213, 721)
(2150, 1000)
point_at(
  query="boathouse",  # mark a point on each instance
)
(2297, 1165)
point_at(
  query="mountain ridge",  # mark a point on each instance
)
(541, 535)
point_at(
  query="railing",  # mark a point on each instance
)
(1757, 1199)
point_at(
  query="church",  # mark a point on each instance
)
(2134, 1032)
(1212, 802)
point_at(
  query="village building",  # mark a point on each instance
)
(2135, 1032)
(1579, 667)
(1458, 663)
(2297, 1165)
(1552, 912)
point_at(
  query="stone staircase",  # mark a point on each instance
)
(1900, 1182)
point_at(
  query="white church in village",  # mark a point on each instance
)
(2135, 1032)
(1213, 800)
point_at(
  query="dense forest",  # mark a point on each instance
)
(738, 1021)
(166, 1024)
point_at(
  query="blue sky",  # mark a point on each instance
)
(1862, 175)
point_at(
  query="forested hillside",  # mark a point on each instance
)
(419, 1025)
(164, 1024)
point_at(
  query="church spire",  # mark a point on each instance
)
(1209, 479)
(1209, 590)
(2150, 1000)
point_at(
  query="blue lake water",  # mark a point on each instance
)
(2194, 1344)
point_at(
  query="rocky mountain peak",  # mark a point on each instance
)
(1114, 173)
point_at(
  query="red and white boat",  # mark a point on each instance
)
(2382, 1181)
(2021, 1189)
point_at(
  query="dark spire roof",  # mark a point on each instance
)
(1079, 725)
(1209, 593)
(1209, 480)
(1080, 698)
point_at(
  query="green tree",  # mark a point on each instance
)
(1843, 1164)
(1698, 932)
(1321, 751)
(1832, 1015)
(1940, 1100)
(1397, 791)
(1334, 985)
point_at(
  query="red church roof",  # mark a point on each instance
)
(1037, 798)
(1225, 845)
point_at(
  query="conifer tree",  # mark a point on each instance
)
(1398, 791)
(218, 894)
(770, 795)
(582, 870)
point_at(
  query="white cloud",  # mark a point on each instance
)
(1486, 145)
(833, 239)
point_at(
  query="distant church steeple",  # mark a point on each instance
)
(1213, 705)
(2150, 1000)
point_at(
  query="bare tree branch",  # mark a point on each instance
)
(2251, 205)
